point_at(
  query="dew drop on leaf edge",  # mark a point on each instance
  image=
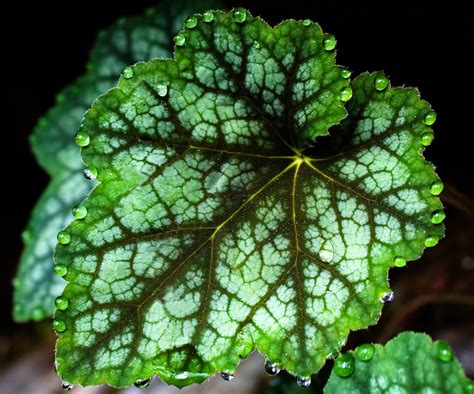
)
(208, 16)
(142, 383)
(303, 381)
(365, 352)
(387, 297)
(443, 351)
(427, 138)
(63, 237)
(60, 270)
(239, 15)
(344, 365)
(438, 217)
(380, 82)
(345, 94)
(79, 212)
(59, 325)
(271, 369)
(399, 261)
(431, 240)
(436, 188)
(127, 72)
(430, 118)
(329, 42)
(82, 138)
(306, 22)
(66, 386)
(346, 73)
(61, 303)
(191, 22)
(180, 40)
(90, 173)
(227, 376)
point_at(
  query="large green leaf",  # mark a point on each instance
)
(216, 229)
(409, 363)
(128, 41)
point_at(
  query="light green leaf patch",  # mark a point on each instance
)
(216, 229)
(126, 42)
(409, 363)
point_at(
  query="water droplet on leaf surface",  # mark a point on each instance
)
(180, 40)
(191, 22)
(162, 90)
(365, 352)
(208, 16)
(430, 118)
(256, 45)
(345, 94)
(271, 368)
(346, 73)
(60, 270)
(443, 351)
(387, 297)
(303, 381)
(240, 15)
(380, 82)
(436, 188)
(82, 138)
(431, 240)
(90, 173)
(306, 22)
(64, 237)
(427, 138)
(344, 365)
(142, 383)
(79, 212)
(59, 325)
(66, 386)
(329, 42)
(399, 261)
(61, 303)
(127, 72)
(227, 376)
(437, 217)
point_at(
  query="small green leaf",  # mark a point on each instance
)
(409, 363)
(128, 41)
(217, 228)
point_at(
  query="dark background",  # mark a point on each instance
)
(428, 45)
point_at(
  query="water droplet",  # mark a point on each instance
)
(346, 73)
(208, 16)
(387, 297)
(365, 352)
(66, 386)
(90, 173)
(380, 82)
(303, 381)
(191, 22)
(427, 138)
(256, 45)
(271, 368)
(59, 325)
(127, 72)
(79, 212)
(329, 42)
(64, 237)
(227, 376)
(162, 90)
(240, 15)
(437, 217)
(142, 383)
(399, 261)
(431, 240)
(430, 118)
(61, 303)
(60, 270)
(344, 365)
(82, 138)
(345, 94)
(436, 188)
(443, 351)
(38, 313)
(180, 40)
(306, 22)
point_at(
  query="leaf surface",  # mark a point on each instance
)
(409, 363)
(126, 42)
(217, 228)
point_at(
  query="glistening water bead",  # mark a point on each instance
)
(240, 15)
(191, 22)
(430, 118)
(436, 188)
(399, 261)
(208, 16)
(66, 386)
(306, 22)
(380, 82)
(59, 325)
(437, 217)
(227, 376)
(61, 303)
(431, 240)
(180, 40)
(127, 72)
(142, 383)
(444, 352)
(329, 42)
(79, 212)
(303, 381)
(82, 138)
(345, 94)
(387, 297)
(427, 138)
(344, 365)
(64, 237)
(365, 352)
(271, 368)
(60, 270)
(90, 173)
(346, 73)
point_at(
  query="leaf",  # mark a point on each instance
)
(409, 363)
(213, 232)
(127, 41)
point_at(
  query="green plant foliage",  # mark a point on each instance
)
(217, 228)
(409, 363)
(127, 41)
